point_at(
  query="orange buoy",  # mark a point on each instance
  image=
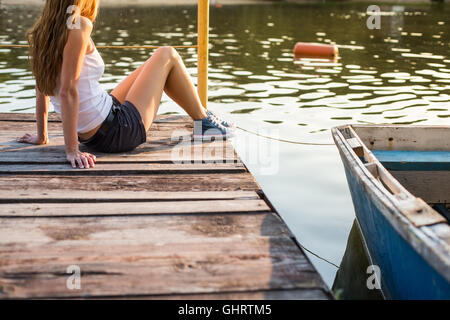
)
(315, 50)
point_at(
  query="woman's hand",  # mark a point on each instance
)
(33, 139)
(82, 159)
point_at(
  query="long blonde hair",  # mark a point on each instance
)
(48, 37)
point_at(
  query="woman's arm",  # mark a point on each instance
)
(73, 57)
(42, 103)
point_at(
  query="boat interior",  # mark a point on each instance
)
(418, 157)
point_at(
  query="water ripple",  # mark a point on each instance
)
(399, 74)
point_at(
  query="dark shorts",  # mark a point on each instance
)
(124, 130)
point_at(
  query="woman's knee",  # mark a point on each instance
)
(167, 53)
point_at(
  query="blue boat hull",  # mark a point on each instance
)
(405, 274)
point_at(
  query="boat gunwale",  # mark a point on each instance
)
(436, 253)
(400, 145)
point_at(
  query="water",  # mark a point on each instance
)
(351, 279)
(398, 74)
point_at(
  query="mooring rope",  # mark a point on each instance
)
(181, 47)
(316, 255)
(304, 143)
(287, 141)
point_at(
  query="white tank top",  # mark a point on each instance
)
(94, 102)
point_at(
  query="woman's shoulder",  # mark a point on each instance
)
(86, 24)
(80, 34)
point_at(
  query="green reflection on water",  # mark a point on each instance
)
(351, 278)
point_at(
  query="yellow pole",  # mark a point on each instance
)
(202, 43)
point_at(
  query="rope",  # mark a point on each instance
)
(192, 46)
(316, 255)
(304, 143)
(287, 141)
(103, 47)
(255, 133)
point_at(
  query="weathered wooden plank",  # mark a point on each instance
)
(30, 127)
(34, 234)
(356, 146)
(172, 135)
(66, 196)
(431, 186)
(131, 208)
(172, 118)
(154, 150)
(206, 266)
(418, 212)
(54, 117)
(202, 254)
(56, 127)
(184, 154)
(26, 117)
(122, 168)
(291, 294)
(159, 132)
(168, 138)
(395, 137)
(148, 183)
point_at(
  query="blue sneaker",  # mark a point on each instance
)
(222, 122)
(210, 127)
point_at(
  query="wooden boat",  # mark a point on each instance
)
(399, 179)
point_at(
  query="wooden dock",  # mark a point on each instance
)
(169, 220)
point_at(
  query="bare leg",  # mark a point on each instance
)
(121, 91)
(179, 88)
(164, 70)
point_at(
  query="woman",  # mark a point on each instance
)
(67, 68)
